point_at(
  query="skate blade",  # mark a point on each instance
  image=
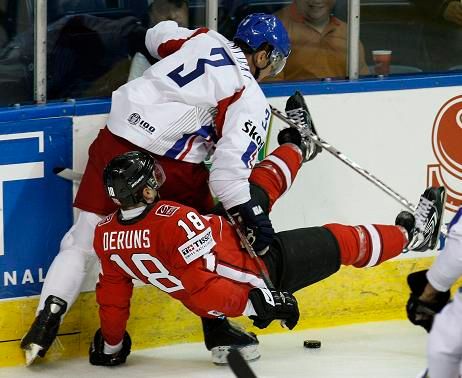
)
(248, 352)
(31, 353)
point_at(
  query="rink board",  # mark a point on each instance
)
(390, 133)
(350, 296)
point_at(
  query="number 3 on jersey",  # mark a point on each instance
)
(182, 80)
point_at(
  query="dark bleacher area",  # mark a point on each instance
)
(418, 44)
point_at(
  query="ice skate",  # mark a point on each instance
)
(297, 112)
(43, 331)
(424, 225)
(221, 335)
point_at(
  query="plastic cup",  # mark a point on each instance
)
(382, 60)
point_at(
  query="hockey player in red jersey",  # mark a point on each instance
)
(202, 263)
(202, 98)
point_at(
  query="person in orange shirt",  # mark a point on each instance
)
(319, 42)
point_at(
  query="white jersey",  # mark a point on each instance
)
(199, 98)
(447, 267)
(444, 347)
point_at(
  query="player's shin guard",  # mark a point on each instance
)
(220, 336)
(368, 245)
(276, 173)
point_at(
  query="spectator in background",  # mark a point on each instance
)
(87, 56)
(319, 42)
(162, 10)
(159, 10)
(442, 32)
(442, 10)
(452, 12)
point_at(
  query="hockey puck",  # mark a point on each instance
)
(312, 344)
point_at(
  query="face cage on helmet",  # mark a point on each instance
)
(277, 61)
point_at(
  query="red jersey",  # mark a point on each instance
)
(195, 259)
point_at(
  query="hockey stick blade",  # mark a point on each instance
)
(67, 174)
(238, 365)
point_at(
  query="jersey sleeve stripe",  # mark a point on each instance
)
(279, 163)
(170, 46)
(222, 107)
(188, 148)
(239, 276)
(376, 245)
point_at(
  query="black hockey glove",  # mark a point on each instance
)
(292, 135)
(271, 305)
(256, 224)
(98, 357)
(419, 312)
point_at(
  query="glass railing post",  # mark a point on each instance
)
(211, 14)
(40, 51)
(353, 39)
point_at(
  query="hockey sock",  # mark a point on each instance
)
(276, 173)
(368, 245)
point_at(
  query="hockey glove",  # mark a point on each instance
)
(257, 225)
(419, 312)
(98, 357)
(271, 305)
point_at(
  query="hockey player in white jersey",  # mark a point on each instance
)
(201, 98)
(427, 306)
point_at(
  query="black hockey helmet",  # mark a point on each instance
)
(126, 176)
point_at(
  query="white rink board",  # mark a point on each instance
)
(387, 133)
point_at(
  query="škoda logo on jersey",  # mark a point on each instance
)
(447, 148)
(136, 120)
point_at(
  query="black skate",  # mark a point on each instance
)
(43, 331)
(424, 225)
(297, 112)
(220, 336)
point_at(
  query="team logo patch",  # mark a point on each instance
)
(198, 246)
(107, 219)
(134, 118)
(446, 143)
(215, 313)
(166, 210)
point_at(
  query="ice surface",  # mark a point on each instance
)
(391, 349)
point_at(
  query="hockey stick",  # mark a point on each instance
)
(67, 174)
(339, 155)
(251, 251)
(238, 365)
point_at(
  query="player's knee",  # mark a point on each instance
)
(80, 237)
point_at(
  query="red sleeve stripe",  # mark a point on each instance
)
(222, 107)
(172, 45)
(188, 148)
(239, 276)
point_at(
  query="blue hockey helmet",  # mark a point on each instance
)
(259, 28)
